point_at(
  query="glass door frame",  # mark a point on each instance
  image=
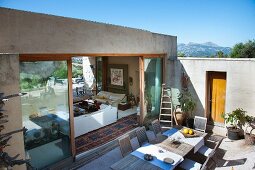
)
(68, 59)
(142, 80)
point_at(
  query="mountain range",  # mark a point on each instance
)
(207, 49)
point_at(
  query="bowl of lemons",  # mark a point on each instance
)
(188, 132)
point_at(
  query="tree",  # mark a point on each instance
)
(77, 71)
(246, 50)
(180, 54)
(61, 72)
(220, 54)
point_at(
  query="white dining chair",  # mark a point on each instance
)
(200, 123)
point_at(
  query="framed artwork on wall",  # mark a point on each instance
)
(117, 78)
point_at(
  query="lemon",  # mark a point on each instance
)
(186, 131)
(191, 132)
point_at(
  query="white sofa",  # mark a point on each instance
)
(109, 97)
(89, 122)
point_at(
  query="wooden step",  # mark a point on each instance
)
(166, 102)
(166, 96)
(168, 121)
(166, 108)
(165, 114)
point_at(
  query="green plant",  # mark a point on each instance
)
(237, 118)
(244, 50)
(187, 102)
(249, 119)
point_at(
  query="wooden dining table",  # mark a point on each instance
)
(181, 148)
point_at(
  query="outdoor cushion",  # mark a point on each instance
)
(189, 164)
(204, 150)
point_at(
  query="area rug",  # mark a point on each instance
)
(105, 134)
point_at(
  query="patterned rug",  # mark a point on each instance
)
(105, 134)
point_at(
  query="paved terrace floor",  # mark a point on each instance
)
(231, 155)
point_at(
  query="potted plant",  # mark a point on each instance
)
(187, 105)
(235, 120)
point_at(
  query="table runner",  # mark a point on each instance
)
(158, 156)
(170, 132)
(175, 134)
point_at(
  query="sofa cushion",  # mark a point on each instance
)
(115, 96)
(104, 94)
(101, 100)
(100, 97)
(109, 97)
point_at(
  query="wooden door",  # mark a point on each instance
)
(217, 95)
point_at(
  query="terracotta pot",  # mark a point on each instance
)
(180, 117)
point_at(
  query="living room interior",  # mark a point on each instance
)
(101, 104)
(113, 83)
(105, 89)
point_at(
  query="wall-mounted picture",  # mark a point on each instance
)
(117, 77)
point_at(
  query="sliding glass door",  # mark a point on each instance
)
(45, 111)
(153, 82)
(99, 73)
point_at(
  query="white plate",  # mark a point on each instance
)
(168, 160)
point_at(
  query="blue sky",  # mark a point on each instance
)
(224, 22)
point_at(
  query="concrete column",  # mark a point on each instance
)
(9, 84)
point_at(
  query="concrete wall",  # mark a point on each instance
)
(26, 32)
(9, 84)
(133, 71)
(31, 33)
(240, 87)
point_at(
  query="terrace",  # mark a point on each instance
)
(230, 155)
(67, 80)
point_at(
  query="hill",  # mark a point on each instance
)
(201, 50)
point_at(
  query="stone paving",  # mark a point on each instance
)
(235, 155)
(231, 155)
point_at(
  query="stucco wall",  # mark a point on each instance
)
(9, 84)
(133, 71)
(26, 32)
(240, 87)
(31, 33)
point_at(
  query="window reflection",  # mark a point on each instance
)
(45, 111)
(153, 81)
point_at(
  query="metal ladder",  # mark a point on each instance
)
(166, 108)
